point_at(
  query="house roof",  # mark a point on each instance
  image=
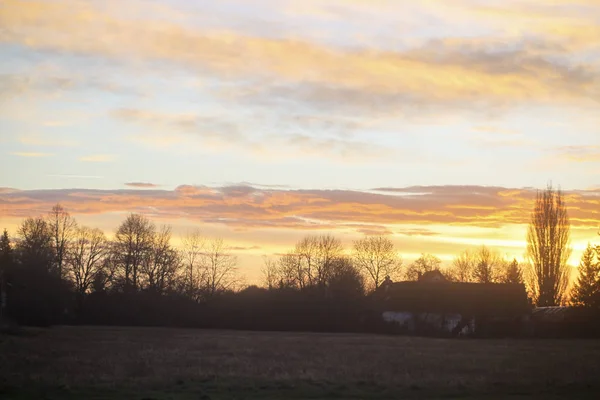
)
(433, 276)
(459, 297)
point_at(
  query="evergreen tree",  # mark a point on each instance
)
(6, 251)
(586, 291)
(513, 273)
(6, 259)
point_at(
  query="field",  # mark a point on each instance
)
(156, 363)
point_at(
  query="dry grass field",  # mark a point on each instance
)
(156, 363)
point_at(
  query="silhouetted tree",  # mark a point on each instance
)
(6, 251)
(270, 273)
(290, 272)
(425, 263)
(133, 242)
(37, 295)
(462, 267)
(586, 291)
(376, 257)
(86, 258)
(161, 263)
(309, 264)
(513, 272)
(316, 253)
(99, 282)
(6, 263)
(548, 248)
(34, 245)
(486, 266)
(191, 258)
(220, 268)
(345, 280)
(62, 229)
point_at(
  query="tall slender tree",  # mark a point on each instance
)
(548, 248)
(191, 258)
(63, 229)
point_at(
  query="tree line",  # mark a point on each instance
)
(58, 271)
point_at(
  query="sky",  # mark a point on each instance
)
(262, 121)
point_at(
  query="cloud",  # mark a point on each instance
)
(16, 85)
(244, 248)
(142, 185)
(248, 207)
(417, 232)
(580, 153)
(500, 71)
(46, 141)
(212, 132)
(102, 158)
(30, 154)
(575, 29)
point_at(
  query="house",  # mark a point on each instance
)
(432, 276)
(434, 305)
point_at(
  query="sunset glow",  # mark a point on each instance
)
(260, 122)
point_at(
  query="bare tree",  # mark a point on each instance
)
(329, 249)
(548, 248)
(425, 263)
(315, 256)
(376, 257)
(161, 263)
(86, 258)
(220, 268)
(462, 267)
(487, 265)
(133, 241)
(290, 271)
(63, 229)
(34, 244)
(191, 257)
(306, 252)
(270, 272)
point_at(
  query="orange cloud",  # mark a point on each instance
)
(244, 207)
(270, 220)
(444, 71)
(142, 185)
